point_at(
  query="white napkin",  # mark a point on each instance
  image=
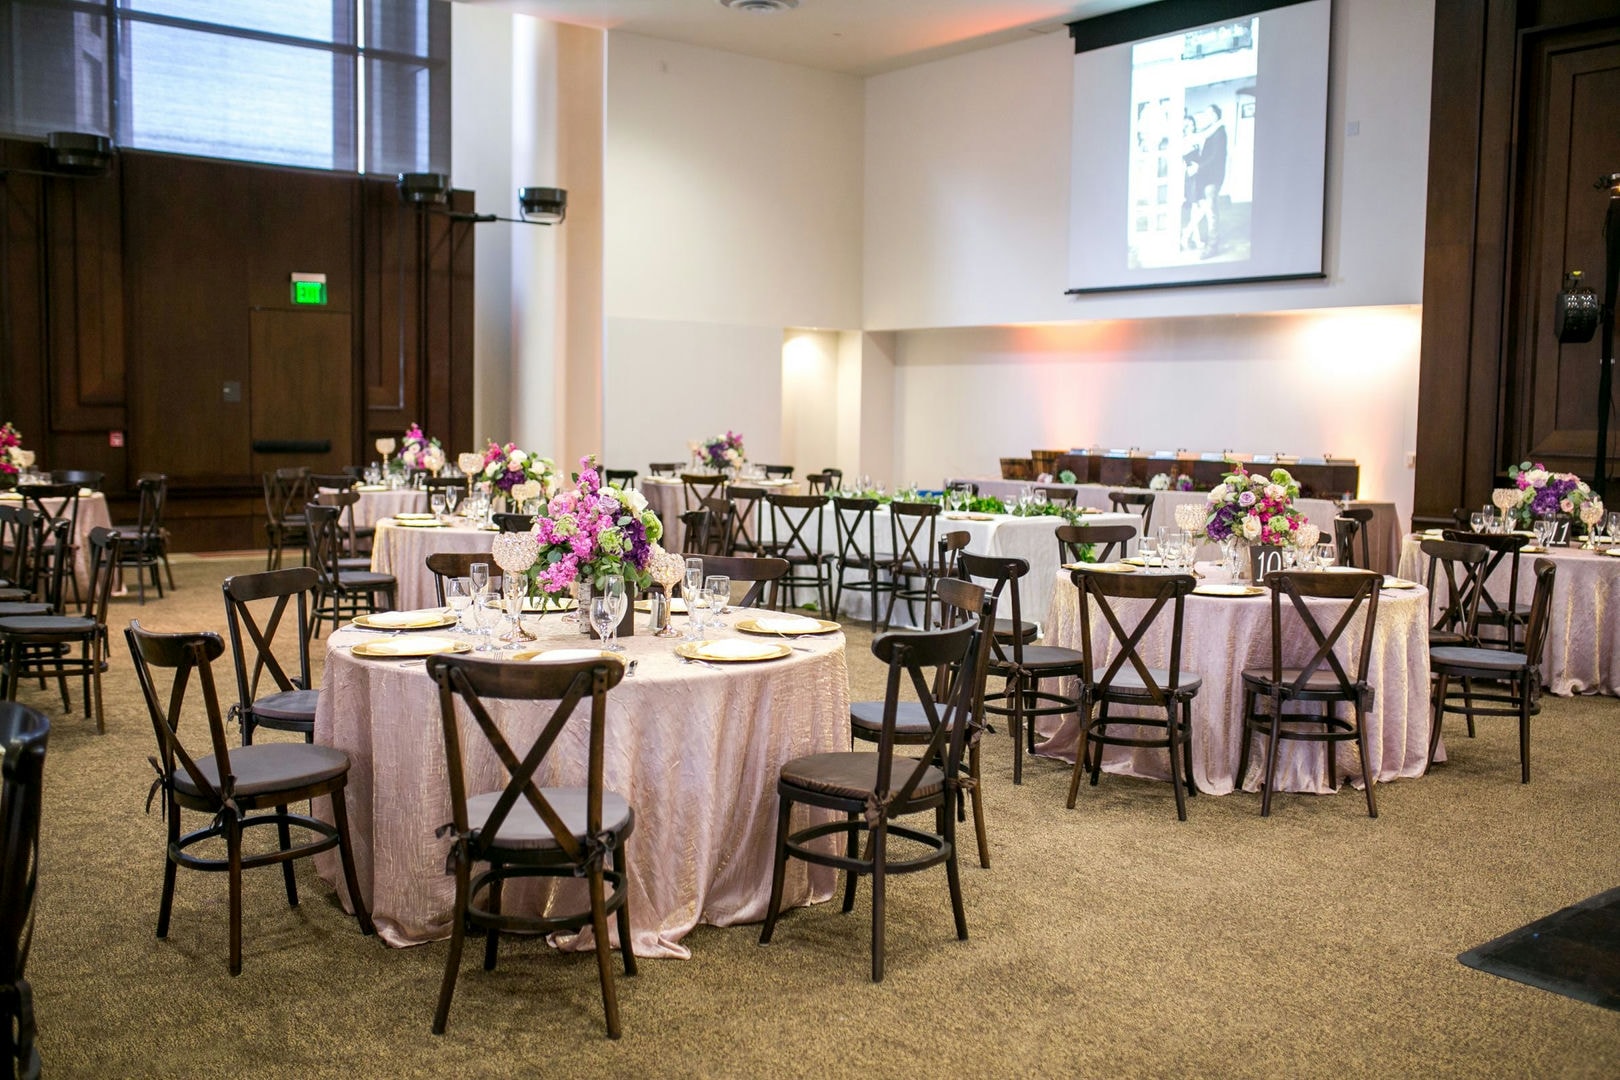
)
(427, 617)
(788, 624)
(735, 650)
(415, 645)
(566, 654)
(1218, 589)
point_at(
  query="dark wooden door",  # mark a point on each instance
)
(302, 387)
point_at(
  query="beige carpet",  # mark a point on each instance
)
(1106, 941)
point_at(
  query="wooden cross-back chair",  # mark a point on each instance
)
(522, 830)
(912, 527)
(745, 533)
(1362, 516)
(444, 565)
(756, 572)
(870, 791)
(57, 503)
(700, 487)
(1137, 502)
(239, 789)
(855, 525)
(719, 537)
(291, 705)
(349, 534)
(1502, 616)
(286, 491)
(1128, 680)
(1058, 496)
(341, 593)
(1106, 541)
(796, 532)
(24, 734)
(697, 531)
(1323, 679)
(669, 469)
(1460, 566)
(18, 531)
(146, 544)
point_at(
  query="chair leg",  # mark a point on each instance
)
(1369, 769)
(340, 819)
(852, 849)
(1100, 725)
(627, 950)
(458, 938)
(233, 848)
(978, 806)
(1438, 708)
(879, 850)
(1271, 756)
(778, 870)
(604, 953)
(1523, 683)
(1082, 752)
(1015, 695)
(284, 834)
(1172, 735)
(1250, 699)
(170, 867)
(1332, 757)
(953, 872)
(1186, 747)
(1468, 695)
(492, 934)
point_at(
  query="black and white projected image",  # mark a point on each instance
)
(1192, 146)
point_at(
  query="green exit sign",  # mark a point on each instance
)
(309, 289)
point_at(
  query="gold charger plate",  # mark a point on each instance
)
(427, 619)
(400, 648)
(731, 651)
(1398, 583)
(371, 487)
(1101, 567)
(808, 626)
(563, 655)
(1217, 589)
(414, 524)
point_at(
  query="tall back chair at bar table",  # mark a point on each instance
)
(523, 830)
(23, 737)
(1323, 679)
(254, 621)
(239, 788)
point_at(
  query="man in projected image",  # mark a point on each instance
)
(1208, 174)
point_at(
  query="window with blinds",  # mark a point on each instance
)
(326, 84)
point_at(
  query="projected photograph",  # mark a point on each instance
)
(1191, 184)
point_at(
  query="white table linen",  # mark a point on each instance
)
(1223, 635)
(695, 749)
(373, 506)
(1583, 628)
(402, 550)
(92, 515)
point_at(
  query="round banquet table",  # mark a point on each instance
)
(1583, 627)
(92, 515)
(1223, 635)
(378, 502)
(696, 749)
(666, 497)
(402, 550)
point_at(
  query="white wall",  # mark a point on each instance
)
(810, 398)
(1342, 382)
(967, 179)
(732, 192)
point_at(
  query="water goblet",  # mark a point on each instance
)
(1476, 521)
(517, 591)
(452, 496)
(1614, 526)
(719, 587)
(458, 593)
(1324, 556)
(697, 611)
(603, 619)
(436, 504)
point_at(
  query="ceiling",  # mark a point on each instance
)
(860, 37)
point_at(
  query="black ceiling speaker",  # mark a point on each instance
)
(78, 153)
(424, 188)
(543, 205)
(1576, 312)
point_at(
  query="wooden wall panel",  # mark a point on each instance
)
(303, 373)
(86, 311)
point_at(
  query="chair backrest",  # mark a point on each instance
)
(719, 509)
(1362, 516)
(345, 501)
(624, 478)
(324, 546)
(454, 564)
(778, 472)
(796, 522)
(331, 481)
(53, 502)
(1535, 630)
(758, 571)
(1360, 592)
(285, 491)
(1004, 572)
(84, 478)
(1463, 565)
(19, 531)
(1100, 591)
(664, 468)
(474, 682)
(835, 479)
(513, 523)
(153, 489)
(959, 602)
(186, 654)
(445, 483)
(818, 483)
(908, 654)
(855, 524)
(965, 486)
(1059, 496)
(24, 733)
(912, 530)
(294, 585)
(951, 545)
(1504, 547)
(1345, 531)
(1107, 542)
(1463, 516)
(744, 531)
(701, 486)
(697, 525)
(1124, 502)
(106, 548)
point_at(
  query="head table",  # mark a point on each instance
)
(1583, 626)
(1223, 635)
(694, 748)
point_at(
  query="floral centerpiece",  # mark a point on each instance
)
(13, 458)
(1166, 482)
(417, 451)
(1254, 508)
(1543, 493)
(592, 531)
(720, 452)
(506, 466)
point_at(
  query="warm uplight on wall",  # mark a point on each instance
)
(1334, 342)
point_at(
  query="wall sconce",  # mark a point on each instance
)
(537, 205)
(72, 154)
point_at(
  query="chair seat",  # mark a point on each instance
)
(1447, 637)
(1004, 629)
(347, 563)
(1462, 656)
(1043, 656)
(13, 608)
(267, 768)
(523, 828)
(853, 775)
(909, 718)
(364, 579)
(67, 626)
(1128, 683)
(288, 705)
(13, 593)
(1322, 681)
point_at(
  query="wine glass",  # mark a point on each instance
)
(436, 504)
(605, 618)
(1324, 555)
(697, 611)
(1614, 525)
(719, 587)
(478, 576)
(458, 593)
(517, 591)
(452, 496)
(1476, 521)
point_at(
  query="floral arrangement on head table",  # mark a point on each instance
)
(417, 451)
(1254, 508)
(1543, 493)
(592, 531)
(506, 466)
(721, 451)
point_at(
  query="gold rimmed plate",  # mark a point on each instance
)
(1398, 583)
(563, 656)
(401, 648)
(427, 619)
(1101, 567)
(732, 651)
(1220, 589)
(784, 626)
(416, 523)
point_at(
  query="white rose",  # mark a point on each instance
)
(1275, 491)
(1218, 493)
(1251, 528)
(518, 458)
(635, 500)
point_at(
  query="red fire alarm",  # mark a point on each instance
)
(115, 439)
